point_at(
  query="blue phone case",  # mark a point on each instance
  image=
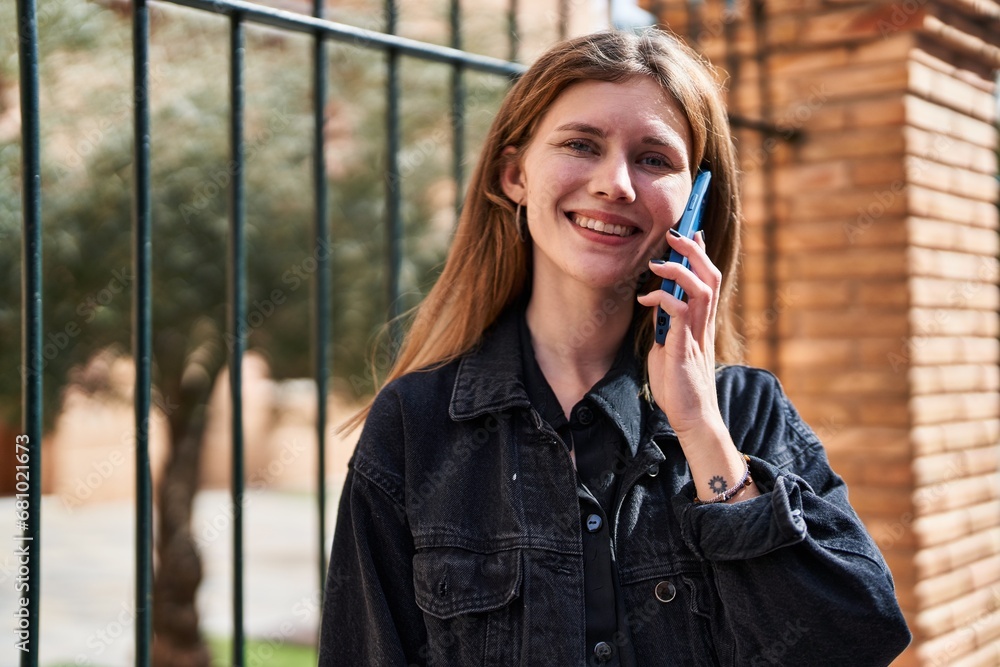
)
(689, 225)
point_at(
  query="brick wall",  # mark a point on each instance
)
(870, 274)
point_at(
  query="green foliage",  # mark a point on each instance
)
(87, 191)
(261, 653)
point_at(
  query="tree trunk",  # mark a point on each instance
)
(177, 640)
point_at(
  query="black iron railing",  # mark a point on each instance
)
(240, 13)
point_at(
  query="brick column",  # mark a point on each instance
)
(870, 273)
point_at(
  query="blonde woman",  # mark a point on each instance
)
(539, 482)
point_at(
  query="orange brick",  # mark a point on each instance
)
(877, 412)
(845, 324)
(838, 83)
(945, 206)
(944, 235)
(816, 409)
(949, 92)
(953, 322)
(940, 119)
(940, 559)
(894, 294)
(947, 647)
(878, 351)
(954, 378)
(927, 350)
(848, 382)
(962, 582)
(939, 147)
(851, 143)
(870, 174)
(825, 176)
(952, 180)
(849, 204)
(987, 655)
(968, 294)
(859, 263)
(955, 494)
(955, 407)
(952, 265)
(931, 438)
(946, 526)
(816, 352)
(937, 468)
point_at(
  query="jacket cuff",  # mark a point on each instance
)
(747, 529)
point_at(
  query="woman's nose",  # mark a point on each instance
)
(613, 180)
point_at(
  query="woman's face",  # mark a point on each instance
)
(605, 175)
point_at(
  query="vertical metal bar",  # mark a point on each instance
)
(31, 324)
(512, 30)
(394, 224)
(323, 280)
(237, 311)
(457, 109)
(142, 334)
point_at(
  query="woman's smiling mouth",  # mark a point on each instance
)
(600, 226)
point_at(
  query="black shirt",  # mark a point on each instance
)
(594, 431)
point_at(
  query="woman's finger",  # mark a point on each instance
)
(692, 284)
(670, 304)
(701, 265)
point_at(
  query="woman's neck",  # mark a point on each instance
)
(576, 332)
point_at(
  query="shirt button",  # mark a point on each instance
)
(584, 415)
(665, 591)
(594, 523)
(602, 651)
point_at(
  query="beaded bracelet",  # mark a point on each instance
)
(729, 493)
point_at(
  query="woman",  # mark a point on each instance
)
(539, 483)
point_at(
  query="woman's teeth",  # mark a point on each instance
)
(601, 226)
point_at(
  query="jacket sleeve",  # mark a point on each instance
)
(798, 579)
(370, 617)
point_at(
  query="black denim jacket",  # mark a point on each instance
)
(458, 539)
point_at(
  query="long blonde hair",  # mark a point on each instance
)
(488, 264)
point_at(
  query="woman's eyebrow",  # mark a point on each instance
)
(651, 139)
(661, 140)
(586, 128)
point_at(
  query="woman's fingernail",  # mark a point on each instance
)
(701, 232)
(675, 233)
(657, 261)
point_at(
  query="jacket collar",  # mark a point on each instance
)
(488, 379)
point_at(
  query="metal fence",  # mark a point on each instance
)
(28, 445)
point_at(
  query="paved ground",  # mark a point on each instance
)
(88, 573)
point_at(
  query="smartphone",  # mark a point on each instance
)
(689, 225)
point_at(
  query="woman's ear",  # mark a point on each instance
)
(512, 175)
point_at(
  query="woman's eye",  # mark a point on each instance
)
(579, 146)
(656, 161)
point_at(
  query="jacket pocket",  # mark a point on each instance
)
(668, 621)
(472, 605)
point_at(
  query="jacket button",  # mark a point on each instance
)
(584, 415)
(665, 591)
(653, 470)
(602, 651)
(594, 523)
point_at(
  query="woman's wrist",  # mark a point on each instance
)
(716, 465)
